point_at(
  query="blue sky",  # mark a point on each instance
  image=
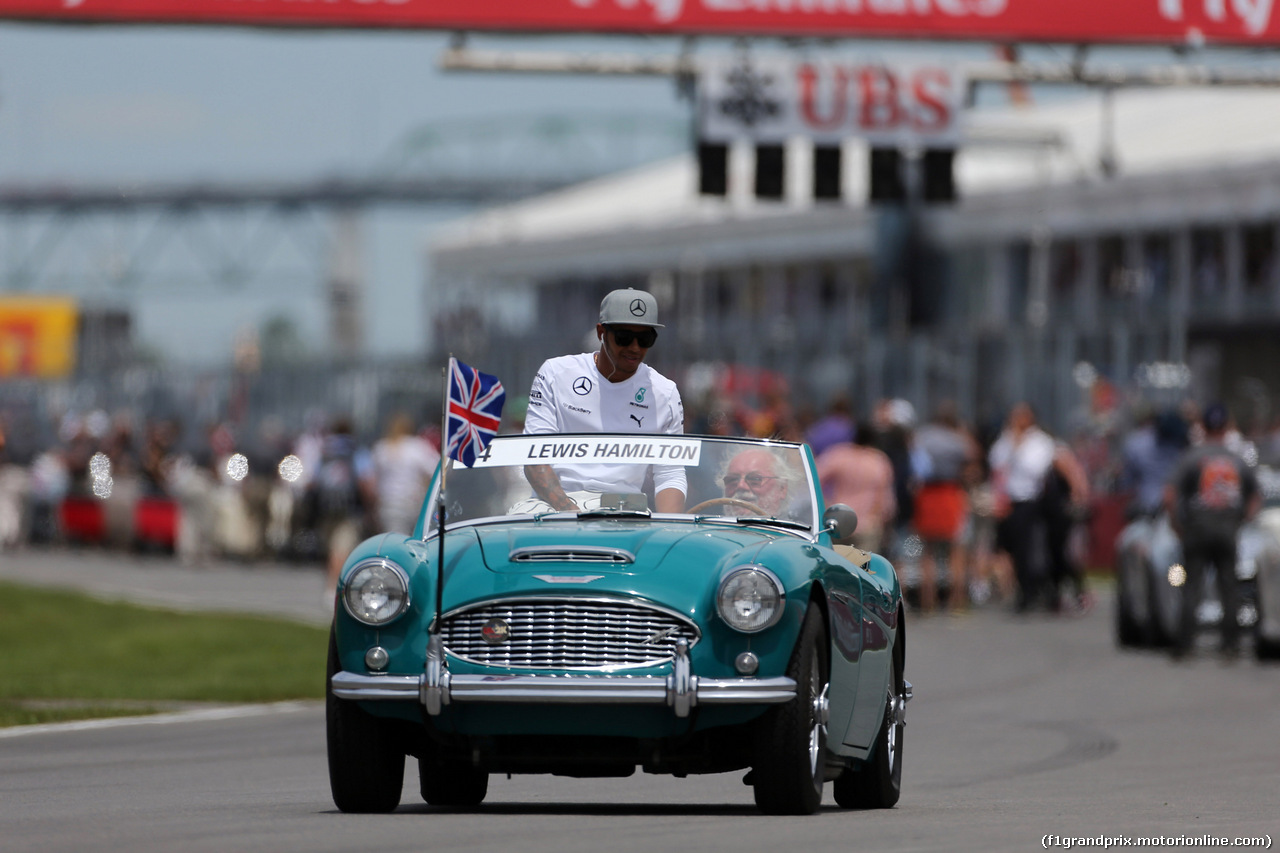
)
(158, 103)
(119, 105)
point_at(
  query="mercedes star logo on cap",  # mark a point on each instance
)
(637, 308)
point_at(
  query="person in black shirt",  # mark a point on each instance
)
(1211, 494)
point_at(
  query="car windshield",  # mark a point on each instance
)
(745, 481)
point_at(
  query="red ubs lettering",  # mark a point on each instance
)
(837, 112)
(929, 88)
(878, 95)
(887, 99)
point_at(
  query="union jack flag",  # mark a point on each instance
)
(474, 411)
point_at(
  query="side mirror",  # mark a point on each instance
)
(842, 521)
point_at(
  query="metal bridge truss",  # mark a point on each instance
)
(111, 243)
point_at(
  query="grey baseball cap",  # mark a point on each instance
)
(630, 307)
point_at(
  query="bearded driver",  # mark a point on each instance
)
(609, 390)
(758, 478)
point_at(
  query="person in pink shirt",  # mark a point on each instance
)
(860, 475)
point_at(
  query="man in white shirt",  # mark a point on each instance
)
(609, 390)
(1020, 461)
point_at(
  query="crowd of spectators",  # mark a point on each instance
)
(307, 496)
(971, 514)
(1003, 512)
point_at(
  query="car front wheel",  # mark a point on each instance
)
(366, 767)
(791, 748)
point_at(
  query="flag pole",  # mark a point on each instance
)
(434, 690)
(445, 463)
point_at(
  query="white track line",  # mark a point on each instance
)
(201, 715)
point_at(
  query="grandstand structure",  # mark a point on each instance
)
(1129, 240)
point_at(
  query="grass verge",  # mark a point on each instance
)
(68, 656)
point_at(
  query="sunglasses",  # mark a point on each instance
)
(754, 481)
(624, 337)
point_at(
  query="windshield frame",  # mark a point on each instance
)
(498, 456)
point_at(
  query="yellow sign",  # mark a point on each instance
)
(37, 336)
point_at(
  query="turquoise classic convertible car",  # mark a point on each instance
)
(739, 634)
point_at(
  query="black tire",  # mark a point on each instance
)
(789, 765)
(451, 783)
(877, 782)
(1263, 649)
(1130, 633)
(1166, 611)
(366, 767)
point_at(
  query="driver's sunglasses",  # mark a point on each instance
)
(624, 337)
(754, 481)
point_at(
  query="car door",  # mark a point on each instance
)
(844, 606)
(878, 625)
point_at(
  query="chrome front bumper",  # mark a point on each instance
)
(681, 690)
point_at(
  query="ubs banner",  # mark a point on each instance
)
(1074, 21)
(37, 337)
(887, 104)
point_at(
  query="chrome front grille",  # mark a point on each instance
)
(568, 633)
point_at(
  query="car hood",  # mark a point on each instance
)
(611, 547)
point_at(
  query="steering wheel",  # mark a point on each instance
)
(747, 505)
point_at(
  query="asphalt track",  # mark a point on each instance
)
(1021, 728)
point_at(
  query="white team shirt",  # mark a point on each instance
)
(1025, 464)
(570, 395)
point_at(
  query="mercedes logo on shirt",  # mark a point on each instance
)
(637, 308)
(582, 386)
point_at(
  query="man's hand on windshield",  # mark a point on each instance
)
(547, 486)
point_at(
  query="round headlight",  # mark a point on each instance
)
(750, 599)
(376, 592)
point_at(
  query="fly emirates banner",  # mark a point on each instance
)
(1242, 22)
